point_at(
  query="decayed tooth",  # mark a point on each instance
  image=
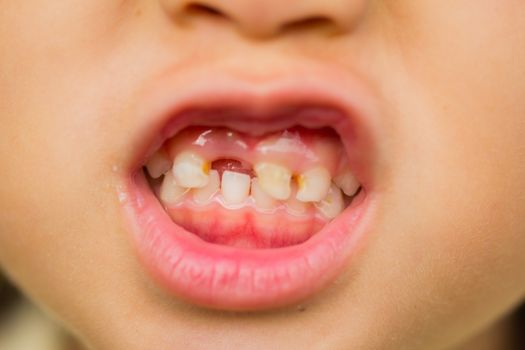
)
(332, 204)
(313, 184)
(170, 192)
(205, 194)
(262, 199)
(191, 170)
(274, 179)
(347, 182)
(158, 164)
(235, 187)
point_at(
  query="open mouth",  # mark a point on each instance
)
(253, 191)
(251, 203)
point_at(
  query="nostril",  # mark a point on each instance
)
(201, 9)
(311, 23)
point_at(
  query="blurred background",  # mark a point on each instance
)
(24, 327)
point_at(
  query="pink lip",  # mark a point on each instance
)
(230, 278)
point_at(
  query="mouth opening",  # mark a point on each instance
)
(255, 186)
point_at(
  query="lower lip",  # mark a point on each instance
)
(230, 278)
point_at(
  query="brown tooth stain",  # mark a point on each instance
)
(222, 165)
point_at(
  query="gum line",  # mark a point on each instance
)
(298, 148)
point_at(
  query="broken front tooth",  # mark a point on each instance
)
(333, 204)
(262, 199)
(158, 164)
(313, 184)
(205, 194)
(191, 170)
(274, 179)
(235, 187)
(170, 192)
(347, 182)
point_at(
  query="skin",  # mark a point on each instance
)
(443, 259)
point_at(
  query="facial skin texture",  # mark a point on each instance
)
(443, 257)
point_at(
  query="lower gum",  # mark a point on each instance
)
(245, 226)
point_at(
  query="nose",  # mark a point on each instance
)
(266, 18)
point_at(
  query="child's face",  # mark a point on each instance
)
(440, 150)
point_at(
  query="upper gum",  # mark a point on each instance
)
(220, 143)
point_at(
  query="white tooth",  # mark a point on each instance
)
(347, 182)
(332, 204)
(274, 179)
(261, 198)
(205, 194)
(170, 192)
(158, 164)
(235, 187)
(313, 184)
(191, 170)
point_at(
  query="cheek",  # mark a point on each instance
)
(459, 99)
(451, 230)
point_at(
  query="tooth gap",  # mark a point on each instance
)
(235, 165)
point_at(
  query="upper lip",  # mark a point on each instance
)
(161, 111)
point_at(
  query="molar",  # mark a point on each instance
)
(170, 192)
(204, 195)
(235, 187)
(191, 170)
(313, 184)
(347, 182)
(274, 179)
(158, 164)
(333, 204)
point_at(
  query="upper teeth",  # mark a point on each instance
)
(158, 164)
(170, 192)
(191, 170)
(262, 199)
(274, 179)
(205, 194)
(313, 184)
(332, 204)
(294, 205)
(347, 182)
(273, 185)
(235, 187)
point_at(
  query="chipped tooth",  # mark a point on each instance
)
(274, 179)
(261, 198)
(313, 184)
(191, 170)
(205, 194)
(333, 204)
(347, 182)
(158, 164)
(170, 192)
(235, 187)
